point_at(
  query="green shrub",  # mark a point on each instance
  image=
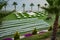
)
(24, 12)
(16, 36)
(32, 16)
(59, 26)
(34, 31)
(50, 28)
(48, 18)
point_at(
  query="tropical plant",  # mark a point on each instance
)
(54, 8)
(50, 28)
(31, 6)
(15, 3)
(4, 14)
(1, 14)
(38, 7)
(45, 4)
(2, 4)
(5, 4)
(16, 36)
(23, 7)
(59, 26)
(34, 31)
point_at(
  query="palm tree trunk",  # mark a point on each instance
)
(23, 9)
(38, 8)
(31, 8)
(15, 7)
(55, 27)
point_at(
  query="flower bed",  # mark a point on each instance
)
(28, 35)
(7, 39)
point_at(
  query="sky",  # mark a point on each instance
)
(27, 2)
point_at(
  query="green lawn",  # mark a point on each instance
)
(45, 36)
(38, 36)
(10, 17)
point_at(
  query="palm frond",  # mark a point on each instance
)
(57, 2)
(50, 2)
(52, 9)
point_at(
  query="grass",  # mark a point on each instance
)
(21, 15)
(10, 17)
(38, 36)
(40, 15)
(45, 36)
(26, 14)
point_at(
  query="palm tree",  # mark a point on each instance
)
(2, 15)
(54, 7)
(23, 7)
(45, 4)
(2, 4)
(15, 3)
(5, 4)
(31, 6)
(38, 7)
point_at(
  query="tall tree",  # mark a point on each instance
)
(54, 8)
(45, 4)
(38, 7)
(2, 4)
(23, 7)
(31, 6)
(15, 3)
(5, 4)
(4, 14)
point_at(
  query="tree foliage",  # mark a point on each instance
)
(23, 5)
(34, 31)
(31, 4)
(14, 3)
(54, 7)
(16, 36)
